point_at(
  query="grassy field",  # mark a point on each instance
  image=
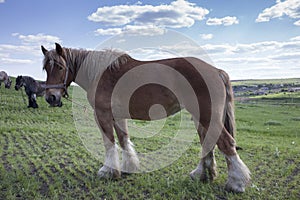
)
(295, 81)
(43, 157)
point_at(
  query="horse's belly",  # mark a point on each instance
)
(151, 102)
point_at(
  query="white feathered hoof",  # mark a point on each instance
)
(236, 187)
(238, 175)
(199, 174)
(109, 173)
(130, 160)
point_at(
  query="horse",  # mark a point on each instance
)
(5, 78)
(32, 87)
(120, 87)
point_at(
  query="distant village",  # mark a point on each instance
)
(264, 89)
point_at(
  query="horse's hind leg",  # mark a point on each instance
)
(238, 172)
(206, 169)
(111, 167)
(130, 161)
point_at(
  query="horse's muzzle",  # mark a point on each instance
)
(54, 100)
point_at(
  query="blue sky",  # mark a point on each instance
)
(247, 38)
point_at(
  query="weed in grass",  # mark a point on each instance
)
(273, 123)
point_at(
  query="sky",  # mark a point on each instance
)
(249, 39)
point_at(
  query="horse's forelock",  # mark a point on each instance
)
(53, 57)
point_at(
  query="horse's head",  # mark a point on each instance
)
(58, 77)
(19, 82)
(8, 83)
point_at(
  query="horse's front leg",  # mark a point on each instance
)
(111, 167)
(30, 103)
(130, 161)
(33, 100)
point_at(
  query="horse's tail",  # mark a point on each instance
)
(229, 118)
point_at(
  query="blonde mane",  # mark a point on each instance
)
(94, 63)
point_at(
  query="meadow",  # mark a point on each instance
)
(44, 157)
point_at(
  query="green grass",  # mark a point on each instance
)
(295, 81)
(43, 157)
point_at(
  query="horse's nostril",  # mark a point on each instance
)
(51, 98)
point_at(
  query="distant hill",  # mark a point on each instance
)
(265, 86)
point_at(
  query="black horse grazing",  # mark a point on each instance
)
(33, 89)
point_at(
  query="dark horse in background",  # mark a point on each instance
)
(33, 88)
(112, 81)
(5, 78)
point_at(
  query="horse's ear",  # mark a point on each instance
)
(44, 50)
(59, 49)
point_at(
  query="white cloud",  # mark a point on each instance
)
(226, 21)
(132, 30)
(151, 53)
(143, 30)
(297, 23)
(8, 48)
(206, 36)
(138, 3)
(290, 8)
(248, 60)
(295, 38)
(25, 58)
(40, 39)
(2, 1)
(109, 31)
(15, 61)
(287, 56)
(177, 14)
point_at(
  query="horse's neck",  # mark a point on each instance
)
(82, 79)
(89, 71)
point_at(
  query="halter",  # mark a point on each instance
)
(61, 85)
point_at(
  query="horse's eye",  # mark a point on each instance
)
(60, 68)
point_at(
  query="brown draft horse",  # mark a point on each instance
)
(119, 87)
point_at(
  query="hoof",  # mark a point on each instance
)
(109, 173)
(237, 188)
(130, 166)
(197, 175)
